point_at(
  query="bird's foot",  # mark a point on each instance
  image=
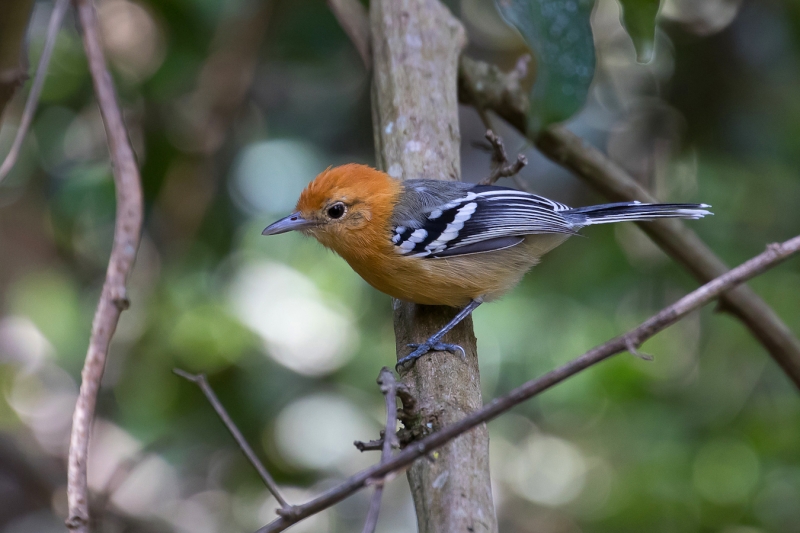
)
(421, 349)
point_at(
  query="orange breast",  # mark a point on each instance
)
(452, 281)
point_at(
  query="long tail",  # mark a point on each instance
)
(633, 211)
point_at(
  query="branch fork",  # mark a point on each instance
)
(502, 167)
(290, 512)
(632, 345)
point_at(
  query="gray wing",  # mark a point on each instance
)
(443, 219)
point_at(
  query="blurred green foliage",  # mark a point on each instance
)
(704, 438)
(639, 18)
(560, 36)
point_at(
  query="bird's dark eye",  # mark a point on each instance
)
(336, 210)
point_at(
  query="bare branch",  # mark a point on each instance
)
(775, 254)
(113, 298)
(487, 87)
(353, 19)
(502, 167)
(634, 350)
(370, 445)
(201, 381)
(56, 18)
(14, 15)
(409, 415)
(389, 389)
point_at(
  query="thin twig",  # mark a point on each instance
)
(633, 349)
(353, 19)
(56, 18)
(407, 414)
(774, 254)
(113, 298)
(487, 87)
(370, 445)
(502, 167)
(389, 389)
(201, 381)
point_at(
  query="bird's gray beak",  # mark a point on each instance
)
(293, 222)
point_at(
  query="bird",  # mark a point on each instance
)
(450, 243)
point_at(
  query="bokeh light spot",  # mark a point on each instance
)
(547, 470)
(132, 38)
(317, 432)
(301, 331)
(269, 175)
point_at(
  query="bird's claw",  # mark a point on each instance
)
(425, 347)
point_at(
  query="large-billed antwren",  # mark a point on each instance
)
(439, 242)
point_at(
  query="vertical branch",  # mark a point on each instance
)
(113, 298)
(14, 15)
(389, 389)
(415, 49)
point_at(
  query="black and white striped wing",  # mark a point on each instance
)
(485, 218)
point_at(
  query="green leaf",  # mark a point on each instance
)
(559, 33)
(639, 19)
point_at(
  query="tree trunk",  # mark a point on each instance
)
(416, 44)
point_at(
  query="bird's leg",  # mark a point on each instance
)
(434, 344)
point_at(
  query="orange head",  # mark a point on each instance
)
(343, 208)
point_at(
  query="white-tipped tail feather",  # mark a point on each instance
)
(632, 212)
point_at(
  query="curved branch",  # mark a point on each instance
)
(775, 254)
(503, 168)
(113, 298)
